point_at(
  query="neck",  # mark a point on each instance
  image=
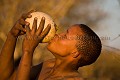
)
(63, 67)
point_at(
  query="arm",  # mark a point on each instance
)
(35, 70)
(25, 66)
(31, 41)
(7, 57)
(7, 52)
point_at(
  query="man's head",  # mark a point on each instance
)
(79, 44)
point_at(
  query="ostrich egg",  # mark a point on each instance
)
(48, 20)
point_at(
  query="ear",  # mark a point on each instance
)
(75, 54)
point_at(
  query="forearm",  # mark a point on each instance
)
(7, 57)
(25, 66)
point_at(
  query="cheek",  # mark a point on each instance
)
(59, 47)
(63, 44)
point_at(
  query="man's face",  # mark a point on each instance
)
(64, 43)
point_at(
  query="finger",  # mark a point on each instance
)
(34, 26)
(22, 29)
(46, 31)
(22, 22)
(21, 33)
(41, 26)
(31, 11)
(28, 15)
(27, 29)
(24, 16)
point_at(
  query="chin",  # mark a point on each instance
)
(49, 47)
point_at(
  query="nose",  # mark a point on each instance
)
(60, 34)
(56, 35)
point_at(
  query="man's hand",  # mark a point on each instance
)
(7, 51)
(32, 39)
(35, 36)
(19, 27)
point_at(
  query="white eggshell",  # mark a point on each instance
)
(48, 20)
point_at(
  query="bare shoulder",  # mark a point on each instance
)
(45, 64)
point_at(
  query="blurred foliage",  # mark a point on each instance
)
(107, 66)
(65, 13)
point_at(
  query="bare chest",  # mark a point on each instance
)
(46, 69)
(45, 75)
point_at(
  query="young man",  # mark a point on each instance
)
(77, 47)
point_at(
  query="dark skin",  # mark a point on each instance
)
(7, 52)
(8, 71)
(26, 61)
(25, 71)
(50, 69)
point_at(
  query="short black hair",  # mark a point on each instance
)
(89, 45)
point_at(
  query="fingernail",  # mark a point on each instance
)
(49, 24)
(35, 18)
(27, 24)
(43, 18)
(29, 15)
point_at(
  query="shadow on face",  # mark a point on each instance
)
(64, 43)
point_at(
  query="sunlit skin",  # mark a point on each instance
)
(62, 46)
(64, 43)
(7, 52)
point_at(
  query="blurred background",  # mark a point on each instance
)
(102, 16)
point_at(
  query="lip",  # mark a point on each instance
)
(54, 38)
